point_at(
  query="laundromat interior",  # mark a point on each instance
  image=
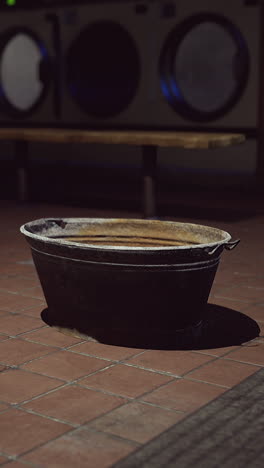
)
(131, 160)
(157, 65)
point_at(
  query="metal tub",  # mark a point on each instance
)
(112, 278)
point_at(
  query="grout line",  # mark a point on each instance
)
(127, 401)
(23, 333)
(205, 382)
(40, 395)
(167, 408)
(131, 399)
(8, 367)
(71, 431)
(94, 373)
(65, 348)
(18, 366)
(36, 447)
(137, 366)
(45, 416)
(59, 378)
(116, 361)
(9, 458)
(154, 371)
(94, 356)
(114, 436)
(214, 355)
(170, 374)
(245, 362)
(77, 425)
(217, 358)
(125, 363)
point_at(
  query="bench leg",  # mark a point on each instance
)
(149, 157)
(21, 161)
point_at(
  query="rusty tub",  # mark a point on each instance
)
(124, 279)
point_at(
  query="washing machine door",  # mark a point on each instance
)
(204, 67)
(103, 69)
(25, 71)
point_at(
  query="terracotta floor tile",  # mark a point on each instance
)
(136, 421)
(15, 464)
(15, 351)
(16, 302)
(253, 354)
(74, 404)
(261, 326)
(217, 351)
(3, 407)
(22, 431)
(115, 353)
(244, 293)
(18, 284)
(252, 281)
(18, 269)
(230, 303)
(14, 324)
(65, 365)
(4, 337)
(226, 277)
(17, 385)
(3, 312)
(256, 312)
(184, 395)
(175, 362)
(223, 372)
(35, 311)
(89, 449)
(125, 380)
(220, 291)
(36, 293)
(51, 337)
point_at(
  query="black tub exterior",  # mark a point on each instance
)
(99, 293)
(125, 297)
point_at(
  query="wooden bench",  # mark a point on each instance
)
(149, 141)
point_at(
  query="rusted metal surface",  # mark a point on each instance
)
(106, 278)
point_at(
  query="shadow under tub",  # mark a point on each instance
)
(220, 327)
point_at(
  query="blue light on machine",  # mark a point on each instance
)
(43, 50)
(176, 90)
(164, 89)
(171, 90)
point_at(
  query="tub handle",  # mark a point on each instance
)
(228, 246)
(231, 245)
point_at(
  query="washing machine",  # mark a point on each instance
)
(145, 64)
(177, 64)
(29, 45)
(209, 64)
(107, 63)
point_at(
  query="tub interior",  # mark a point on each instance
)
(126, 232)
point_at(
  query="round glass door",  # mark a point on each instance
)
(204, 67)
(103, 69)
(23, 72)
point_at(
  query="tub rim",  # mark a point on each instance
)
(226, 237)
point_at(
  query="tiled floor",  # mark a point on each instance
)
(65, 401)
